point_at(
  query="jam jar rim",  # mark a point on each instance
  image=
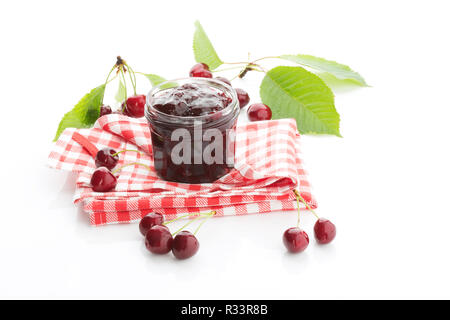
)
(234, 104)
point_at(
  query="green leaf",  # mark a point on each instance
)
(85, 112)
(339, 71)
(338, 85)
(293, 92)
(121, 92)
(203, 49)
(156, 80)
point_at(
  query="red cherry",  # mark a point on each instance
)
(324, 231)
(201, 65)
(150, 220)
(135, 106)
(202, 74)
(258, 112)
(104, 110)
(243, 97)
(295, 239)
(185, 245)
(225, 80)
(103, 180)
(200, 70)
(158, 240)
(106, 158)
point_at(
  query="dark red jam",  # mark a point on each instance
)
(191, 100)
(190, 127)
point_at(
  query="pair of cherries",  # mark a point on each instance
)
(159, 240)
(133, 107)
(296, 240)
(256, 112)
(103, 178)
(184, 245)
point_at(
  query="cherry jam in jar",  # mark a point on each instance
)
(192, 124)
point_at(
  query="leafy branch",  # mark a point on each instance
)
(291, 92)
(87, 110)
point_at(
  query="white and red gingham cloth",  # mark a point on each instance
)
(267, 169)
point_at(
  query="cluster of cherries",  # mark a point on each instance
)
(134, 106)
(159, 239)
(255, 112)
(103, 179)
(296, 240)
(184, 244)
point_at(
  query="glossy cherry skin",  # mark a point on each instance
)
(258, 112)
(295, 240)
(104, 110)
(324, 231)
(103, 180)
(158, 240)
(200, 70)
(106, 158)
(200, 66)
(184, 245)
(135, 106)
(202, 74)
(150, 220)
(243, 97)
(224, 80)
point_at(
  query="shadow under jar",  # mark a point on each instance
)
(192, 123)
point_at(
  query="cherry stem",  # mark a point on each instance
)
(236, 62)
(109, 74)
(234, 77)
(115, 154)
(173, 234)
(268, 57)
(299, 197)
(298, 212)
(106, 81)
(125, 85)
(184, 216)
(202, 216)
(112, 79)
(226, 69)
(132, 75)
(132, 164)
(248, 66)
(206, 219)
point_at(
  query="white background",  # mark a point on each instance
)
(385, 184)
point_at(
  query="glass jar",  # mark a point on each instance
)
(193, 149)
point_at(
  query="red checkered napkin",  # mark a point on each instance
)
(267, 168)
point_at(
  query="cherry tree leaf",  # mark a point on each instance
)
(337, 70)
(121, 92)
(157, 80)
(203, 48)
(85, 112)
(293, 92)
